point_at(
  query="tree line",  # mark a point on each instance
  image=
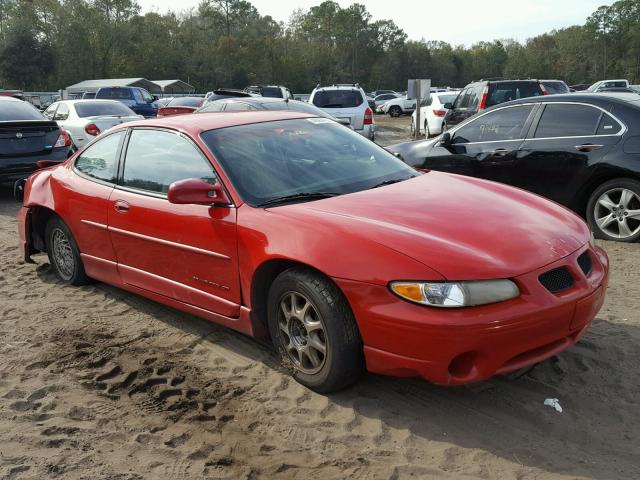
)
(51, 44)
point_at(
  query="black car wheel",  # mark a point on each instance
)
(395, 111)
(314, 330)
(613, 211)
(64, 254)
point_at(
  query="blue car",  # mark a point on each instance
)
(137, 99)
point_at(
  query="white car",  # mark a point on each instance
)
(618, 83)
(384, 98)
(432, 112)
(346, 102)
(86, 119)
(398, 106)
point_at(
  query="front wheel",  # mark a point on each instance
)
(613, 210)
(314, 330)
(395, 111)
(64, 254)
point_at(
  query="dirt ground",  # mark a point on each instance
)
(97, 383)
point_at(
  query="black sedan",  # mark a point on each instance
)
(27, 137)
(581, 150)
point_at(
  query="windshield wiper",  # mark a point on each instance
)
(391, 182)
(297, 196)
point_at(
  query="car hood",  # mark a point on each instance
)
(462, 227)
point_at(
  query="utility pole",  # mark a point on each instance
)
(416, 133)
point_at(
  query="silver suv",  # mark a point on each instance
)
(346, 102)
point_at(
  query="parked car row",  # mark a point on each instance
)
(580, 150)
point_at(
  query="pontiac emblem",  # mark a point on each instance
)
(19, 135)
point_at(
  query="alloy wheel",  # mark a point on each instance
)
(62, 253)
(617, 213)
(302, 332)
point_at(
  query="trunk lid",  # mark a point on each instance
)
(25, 138)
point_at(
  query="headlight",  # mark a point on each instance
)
(456, 294)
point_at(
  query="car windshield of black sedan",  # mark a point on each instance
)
(312, 156)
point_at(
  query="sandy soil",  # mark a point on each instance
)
(97, 383)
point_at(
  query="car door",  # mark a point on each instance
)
(564, 142)
(96, 168)
(486, 146)
(184, 252)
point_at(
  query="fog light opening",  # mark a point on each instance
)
(464, 365)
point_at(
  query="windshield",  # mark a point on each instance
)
(554, 88)
(95, 109)
(337, 99)
(186, 102)
(273, 92)
(115, 92)
(269, 160)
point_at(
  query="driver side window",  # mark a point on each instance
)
(504, 124)
(155, 159)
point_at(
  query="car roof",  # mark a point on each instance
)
(196, 123)
(87, 100)
(10, 99)
(623, 98)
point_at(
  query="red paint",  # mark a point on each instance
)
(202, 259)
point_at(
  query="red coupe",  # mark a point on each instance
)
(180, 106)
(290, 227)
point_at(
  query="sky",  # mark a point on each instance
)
(456, 21)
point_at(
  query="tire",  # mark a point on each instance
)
(328, 323)
(613, 210)
(395, 111)
(63, 252)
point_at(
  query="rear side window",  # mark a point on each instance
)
(608, 126)
(115, 93)
(563, 120)
(94, 109)
(338, 99)
(18, 110)
(505, 92)
(156, 159)
(100, 160)
(62, 113)
(503, 124)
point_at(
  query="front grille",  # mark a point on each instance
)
(584, 262)
(556, 280)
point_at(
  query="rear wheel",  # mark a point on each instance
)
(395, 111)
(613, 211)
(313, 328)
(64, 254)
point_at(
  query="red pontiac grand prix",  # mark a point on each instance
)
(293, 228)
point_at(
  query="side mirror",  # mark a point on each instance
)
(448, 105)
(445, 140)
(194, 191)
(155, 98)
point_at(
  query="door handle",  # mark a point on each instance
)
(588, 147)
(500, 152)
(121, 206)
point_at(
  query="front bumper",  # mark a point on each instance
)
(459, 346)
